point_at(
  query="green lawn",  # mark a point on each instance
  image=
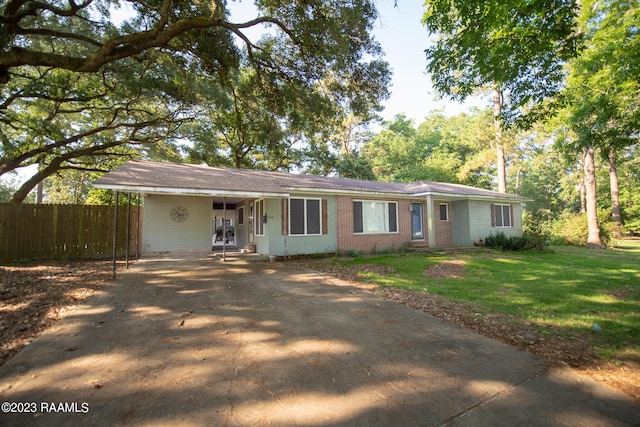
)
(565, 290)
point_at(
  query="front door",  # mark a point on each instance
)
(417, 230)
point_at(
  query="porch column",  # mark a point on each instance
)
(431, 231)
(224, 229)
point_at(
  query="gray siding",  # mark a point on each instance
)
(300, 245)
(461, 223)
(161, 233)
(480, 221)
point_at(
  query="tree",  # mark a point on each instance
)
(446, 149)
(395, 153)
(516, 49)
(603, 92)
(195, 54)
(61, 120)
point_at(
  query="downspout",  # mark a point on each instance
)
(431, 233)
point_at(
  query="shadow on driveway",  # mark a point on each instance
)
(195, 341)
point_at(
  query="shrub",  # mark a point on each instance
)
(510, 243)
(572, 229)
(537, 226)
(354, 253)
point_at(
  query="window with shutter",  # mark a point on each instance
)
(305, 217)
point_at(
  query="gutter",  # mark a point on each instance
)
(187, 191)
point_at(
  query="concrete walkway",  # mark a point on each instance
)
(194, 341)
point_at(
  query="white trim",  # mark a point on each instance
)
(187, 191)
(440, 204)
(454, 197)
(338, 192)
(259, 218)
(502, 215)
(254, 195)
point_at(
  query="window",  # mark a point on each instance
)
(502, 216)
(304, 216)
(241, 215)
(371, 217)
(260, 218)
(444, 212)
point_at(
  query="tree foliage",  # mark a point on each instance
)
(517, 47)
(60, 120)
(448, 149)
(77, 88)
(602, 114)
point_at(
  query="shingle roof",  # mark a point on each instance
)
(162, 177)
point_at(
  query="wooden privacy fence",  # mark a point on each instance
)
(43, 232)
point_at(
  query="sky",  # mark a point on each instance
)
(404, 40)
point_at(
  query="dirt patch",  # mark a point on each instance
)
(569, 351)
(452, 269)
(34, 297)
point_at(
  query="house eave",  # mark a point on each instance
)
(360, 193)
(450, 196)
(188, 191)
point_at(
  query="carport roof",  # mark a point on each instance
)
(179, 178)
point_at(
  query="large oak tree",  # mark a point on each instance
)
(194, 51)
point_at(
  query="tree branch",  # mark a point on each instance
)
(119, 47)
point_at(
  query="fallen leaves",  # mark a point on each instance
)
(33, 297)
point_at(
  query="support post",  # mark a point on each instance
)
(224, 229)
(286, 234)
(138, 229)
(431, 229)
(128, 228)
(115, 235)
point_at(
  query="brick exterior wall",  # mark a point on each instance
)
(442, 229)
(348, 240)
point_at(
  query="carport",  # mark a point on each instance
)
(184, 213)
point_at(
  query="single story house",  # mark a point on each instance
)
(186, 206)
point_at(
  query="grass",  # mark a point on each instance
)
(566, 290)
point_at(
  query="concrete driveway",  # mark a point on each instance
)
(194, 341)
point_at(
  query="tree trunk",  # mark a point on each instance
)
(580, 186)
(39, 193)
(615, 192)
(502, 171)
(593, 240)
